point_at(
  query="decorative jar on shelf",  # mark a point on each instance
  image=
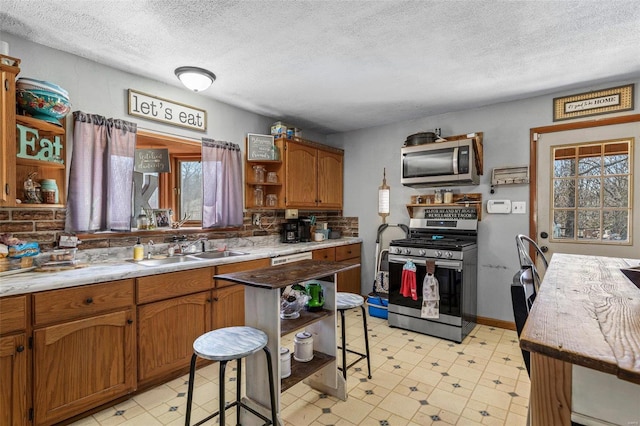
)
(49, 189)
(258, 196)
(258, 174)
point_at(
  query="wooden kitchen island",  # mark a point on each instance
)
(262, 311)
(583, 333)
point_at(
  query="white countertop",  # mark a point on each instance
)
(116, 266)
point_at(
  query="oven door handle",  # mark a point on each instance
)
(449, 264)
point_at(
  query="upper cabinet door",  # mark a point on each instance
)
(301, 175)
(330, 174)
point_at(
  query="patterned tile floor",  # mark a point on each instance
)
(417, 380)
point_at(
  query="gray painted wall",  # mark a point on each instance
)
(506, 143)
(98, 89)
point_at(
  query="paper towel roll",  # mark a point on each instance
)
(4, 48)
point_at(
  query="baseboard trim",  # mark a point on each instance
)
(492, 322)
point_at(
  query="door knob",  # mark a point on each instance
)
(544, 235)
(544, 249)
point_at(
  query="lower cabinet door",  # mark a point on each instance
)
(228, 308)
(82, 364)
(166, 333)
(349, 280)
(13, 380)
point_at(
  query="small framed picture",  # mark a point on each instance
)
(162, 218)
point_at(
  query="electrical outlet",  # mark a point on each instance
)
(256, 219)
(519, 207)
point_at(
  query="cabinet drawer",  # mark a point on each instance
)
(173, 284)
(238, 267)
(324, 254)
(71, 303)
(13, 314)
(347, 252)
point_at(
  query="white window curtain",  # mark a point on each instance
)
(222, 184)
(101, 174)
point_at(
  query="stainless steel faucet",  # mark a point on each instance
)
(189, 246)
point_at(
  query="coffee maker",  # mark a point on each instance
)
(290, 231)
(304, 229)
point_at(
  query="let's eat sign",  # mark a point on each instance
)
(166, 111)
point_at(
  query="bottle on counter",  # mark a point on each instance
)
(138, 250)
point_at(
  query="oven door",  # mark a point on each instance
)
(448, 273)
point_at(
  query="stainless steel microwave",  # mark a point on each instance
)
(440, 164)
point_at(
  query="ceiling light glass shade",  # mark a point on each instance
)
(194, 78)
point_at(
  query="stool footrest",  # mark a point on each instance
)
(361, 357)
(240, 405)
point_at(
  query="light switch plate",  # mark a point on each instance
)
(519, 207)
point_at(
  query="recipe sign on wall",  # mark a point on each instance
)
(166, 111)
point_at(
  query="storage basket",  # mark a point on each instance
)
(378, 306)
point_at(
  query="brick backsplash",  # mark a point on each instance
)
(45, 225)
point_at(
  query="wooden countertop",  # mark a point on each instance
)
(587, 313)
(288, 274)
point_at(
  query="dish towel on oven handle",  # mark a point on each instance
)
(430, 293)
(408, 287)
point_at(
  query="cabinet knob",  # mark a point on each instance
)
(208, 300)
(20, 348)
(89, 300)
(129, 321)
(215, 299)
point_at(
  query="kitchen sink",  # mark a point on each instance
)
(217, 254)
(167, 260)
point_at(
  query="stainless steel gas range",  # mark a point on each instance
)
(446, 238)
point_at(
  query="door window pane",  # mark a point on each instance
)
(564, 193)
(598, 198)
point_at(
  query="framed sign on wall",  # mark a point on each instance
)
(599, 102)
(260, 147)
(166, 111)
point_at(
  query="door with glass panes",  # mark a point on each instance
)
(585, 182)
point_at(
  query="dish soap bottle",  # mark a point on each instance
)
(138, 251)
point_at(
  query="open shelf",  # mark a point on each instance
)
(306, 318)
(43, 126)
(38, 163)
(302, 370)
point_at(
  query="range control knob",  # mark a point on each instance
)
(407, 251)
(395, 250)
(438, 253)
(448, 255)
(422, 252)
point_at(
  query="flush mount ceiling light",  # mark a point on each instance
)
(194, 78)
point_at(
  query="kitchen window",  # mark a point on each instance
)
(592, 189)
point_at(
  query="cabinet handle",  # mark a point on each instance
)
(20, 348)
(6, 84)
(129, 321)
(208, 300)
(215, 299)
(89, 300)
(6, 188)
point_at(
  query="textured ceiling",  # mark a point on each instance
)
(336, 66)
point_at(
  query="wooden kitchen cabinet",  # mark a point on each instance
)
(350, 280)
(166, 331)
(44, 138)
(173, 310)
(8, 132)
(14, 361)
(84, 350)
(324, 254)
(228, 297)
(273, 188)
(313, 176)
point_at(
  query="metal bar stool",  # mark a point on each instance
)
(344, 302)
(223, 345)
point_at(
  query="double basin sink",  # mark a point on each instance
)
(195, 257)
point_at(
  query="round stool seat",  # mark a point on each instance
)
(348, 300)
(229, 343)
